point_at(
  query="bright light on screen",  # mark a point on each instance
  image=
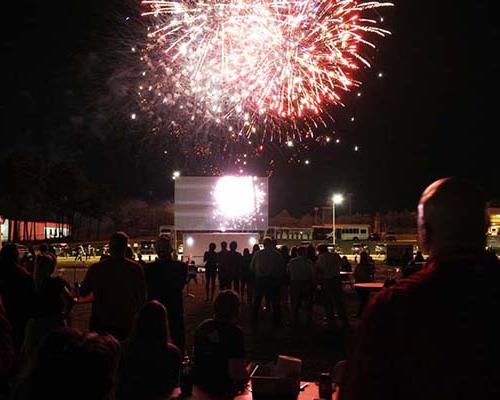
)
(227, 203)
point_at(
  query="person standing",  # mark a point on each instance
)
(223, 267)
(119, 289)
(45, 265)
(269, 271)
(436, 329)
(300, 270)
(234, 264)
(210, 259)
(165, 280)
(327, 268)
(363, 273)
(246, 274)
(17, 291)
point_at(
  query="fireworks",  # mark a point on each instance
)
(254, 67)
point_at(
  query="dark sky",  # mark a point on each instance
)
(434, 113)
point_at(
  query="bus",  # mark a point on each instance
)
(353, 232)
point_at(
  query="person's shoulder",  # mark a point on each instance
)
(204, 326)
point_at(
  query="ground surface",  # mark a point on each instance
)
(318, 347)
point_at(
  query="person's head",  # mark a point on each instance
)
(255, 248)
(322, 248)
(9, 254)
(363, 258)
(233, 245)
(223, 245)
(246, 252)
(74, 357)
(118, 244)
(268, 243)
(418, 254)
(311, 251)
(293, 252)
(227, 306)
(43, 248)
(212, 247)
(51, 300)
(151, 326)
(302, 251)
(274, 242)
(284, 250)
(451, 217)
(345, 260)
(163, 247)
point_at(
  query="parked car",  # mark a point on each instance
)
(337, 249)
(359, 247)
(374, 237)
(380, 248)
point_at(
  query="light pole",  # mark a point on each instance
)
(336, 199)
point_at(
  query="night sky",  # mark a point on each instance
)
(433, 113)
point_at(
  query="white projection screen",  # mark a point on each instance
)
(224, 203)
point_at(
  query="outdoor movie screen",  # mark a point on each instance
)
(225, 203)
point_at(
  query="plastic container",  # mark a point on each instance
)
(266, 385)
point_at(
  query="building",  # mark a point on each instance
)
(21, 231)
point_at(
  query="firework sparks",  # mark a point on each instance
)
(248, 65)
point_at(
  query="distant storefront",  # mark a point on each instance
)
(20, 231)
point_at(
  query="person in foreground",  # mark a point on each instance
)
(219, 349)
(119, 290)
(149, 366)
(165, 280)
(73, 365)
(435, 335)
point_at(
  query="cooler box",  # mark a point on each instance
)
(266, 385)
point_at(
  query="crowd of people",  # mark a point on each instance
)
(430, 336)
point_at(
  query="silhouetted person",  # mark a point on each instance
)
(149, 367)
(210, 260)
(45, 265)
(234, 267)
(246, 277)
(419, 258)
(7, 354)
(435, 335)
(17, 291)
(219, 348)
(363, 273)
(129, 253)
(300, 270)
(73, 365)
(285, 254)
(406, 258)
(311, 253)
(165, 279)
(345, 266)
(293, 252)
(223, 267)
(327, 270)
(119, 289)
(54, 303)
(269, 271)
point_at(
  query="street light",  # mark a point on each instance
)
(175, 175)
(336, 199)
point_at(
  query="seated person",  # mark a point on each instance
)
(219, 349)
(149, 366)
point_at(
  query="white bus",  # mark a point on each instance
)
(342, 232)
